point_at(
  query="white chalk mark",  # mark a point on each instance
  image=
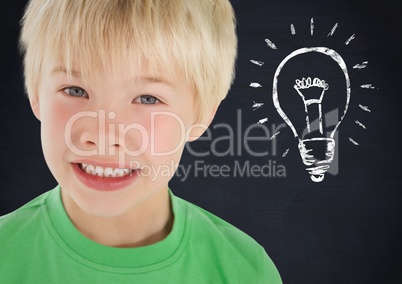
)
(263, 120)
(292, 29)
(274, 136)
(312, 26)
(308, 83)
(255, 85)
(333, 30)
(259, 63)
(367, 86)
(257, 105)
(285, 153)
(361, 66)
(353, 141)
(360, 124)
(352, 37)
(365, 108)
(270, 44)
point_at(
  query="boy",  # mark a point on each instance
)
(119, 87)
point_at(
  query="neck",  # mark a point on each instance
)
(144, 224)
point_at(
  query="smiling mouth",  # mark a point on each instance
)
(105, 172)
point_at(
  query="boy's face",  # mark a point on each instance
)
(112, 144)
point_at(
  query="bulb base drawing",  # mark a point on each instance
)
(317, 154)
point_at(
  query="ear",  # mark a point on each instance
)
(35, 106)
(196, 130)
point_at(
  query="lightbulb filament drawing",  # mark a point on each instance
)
(317, 150)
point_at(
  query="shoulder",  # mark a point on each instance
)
(234, 250)
(206, 224)
(23, 217)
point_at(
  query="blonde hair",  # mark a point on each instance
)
(191, 38)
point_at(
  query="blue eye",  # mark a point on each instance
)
(148, 100)
(76, 92)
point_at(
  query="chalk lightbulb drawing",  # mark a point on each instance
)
(315, 91)
(318, 149)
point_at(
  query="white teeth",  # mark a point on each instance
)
(108, 172)
(90, 169)
(105, 172)
(99, 171)
(118, 172)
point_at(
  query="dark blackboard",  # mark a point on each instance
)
(344, 229)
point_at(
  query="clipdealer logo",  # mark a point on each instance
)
(200, 169)
(233, 142)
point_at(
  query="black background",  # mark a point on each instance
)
(346, 229)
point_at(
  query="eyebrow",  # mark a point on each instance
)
(144, 80)
(61, 69)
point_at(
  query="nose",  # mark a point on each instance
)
(102, 133)
(99, 133)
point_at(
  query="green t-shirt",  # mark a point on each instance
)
(39, 244)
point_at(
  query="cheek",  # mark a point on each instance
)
(54, 118)
(167, 134)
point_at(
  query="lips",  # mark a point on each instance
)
(104, 178)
